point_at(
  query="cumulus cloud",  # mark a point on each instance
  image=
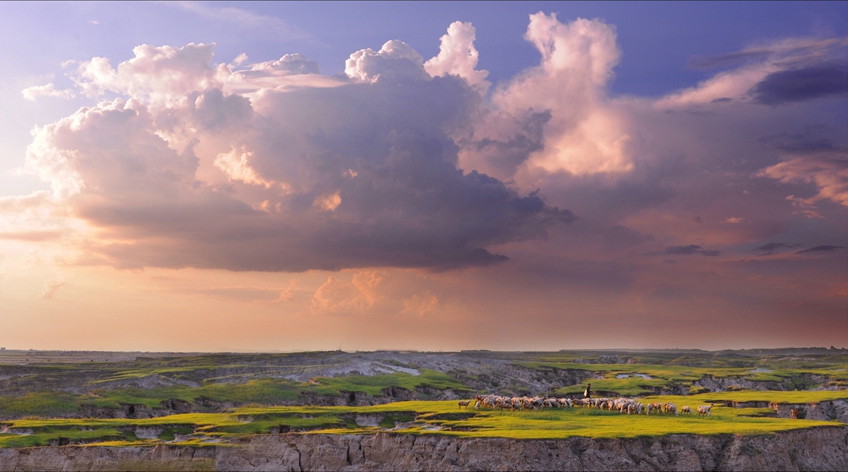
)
(234, 164)
(157, 75)
(402, 162)
(338, 297)
(395, 61)
(184, 171)
(458, 56)
(48, 90)
(421, 304)
(582, 134)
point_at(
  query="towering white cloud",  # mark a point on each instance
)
(458, 56)
(157, 75)
(394, 62)
(556, 115)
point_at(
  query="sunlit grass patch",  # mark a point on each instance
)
(631, 386)
(40, 404)
(416, 417)
(775, 396)
(44, 436)
(374, 384)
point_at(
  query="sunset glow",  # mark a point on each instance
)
(506, 176)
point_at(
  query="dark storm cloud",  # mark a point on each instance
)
(814, 139)
(802, 84)
(683, 251)
(770, 248)
(506, 154)
(826, 248)
(788, 53)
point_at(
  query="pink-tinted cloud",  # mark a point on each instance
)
(47, 90)
(567, 93)
(156, 75)
(783, 71)
(830, 175)
(51, 287)
(361, 174)
(458, 56)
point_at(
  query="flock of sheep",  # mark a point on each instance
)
(621, 404)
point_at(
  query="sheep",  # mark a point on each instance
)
(517, 404)
(504, 404)
(654, 407)
(705, 410)
(464, 403)
(670, 408)
(794, 413)
(685, 409)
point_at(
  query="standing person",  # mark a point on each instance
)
(588, 392)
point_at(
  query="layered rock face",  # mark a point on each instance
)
(808, 449)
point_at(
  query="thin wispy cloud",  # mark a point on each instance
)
(247, 20)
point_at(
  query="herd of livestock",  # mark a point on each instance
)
(622, 405)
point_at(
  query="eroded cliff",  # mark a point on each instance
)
(806, 449)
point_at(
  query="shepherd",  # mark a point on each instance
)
(588, 392)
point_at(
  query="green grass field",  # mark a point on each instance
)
(261, 391)
(233, 395)
(422, 417)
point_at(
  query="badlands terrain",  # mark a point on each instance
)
(781, 409)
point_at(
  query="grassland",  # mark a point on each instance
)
(262, 391)
(87, 400)
(642, 379)
(412, 417)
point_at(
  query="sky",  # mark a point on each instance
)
(430, 176)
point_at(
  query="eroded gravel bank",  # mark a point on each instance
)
(807, 449)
